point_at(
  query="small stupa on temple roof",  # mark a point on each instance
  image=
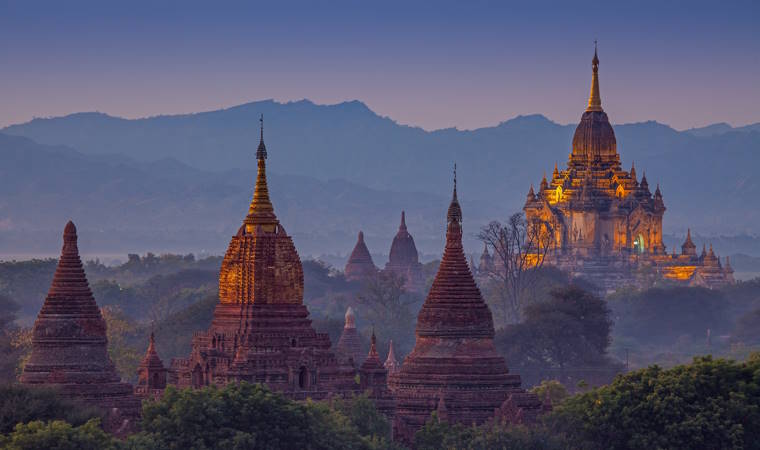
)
(70, 347)
(373, 377)
(404, 259)
(360, 265)
(261, 331)
(349, 348)
(391, 364)
(151, 374)
(454, 355)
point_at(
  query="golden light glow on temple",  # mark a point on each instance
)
(602, 220)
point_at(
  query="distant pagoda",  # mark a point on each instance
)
(70, 347)
(597, 221)
(373, 378)
(261, 331)
(454, 364)
(403, 259)
(360, 265)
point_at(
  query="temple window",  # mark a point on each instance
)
(620, 192)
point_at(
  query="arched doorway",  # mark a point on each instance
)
(303, 377)
(197, 376)
(639, 246)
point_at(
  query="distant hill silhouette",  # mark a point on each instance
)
(708, 178)
(125, 206)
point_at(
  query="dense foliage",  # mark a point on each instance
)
(564, 338)
(59, 435)
(248, 416)
(20, 404)
(707, 404)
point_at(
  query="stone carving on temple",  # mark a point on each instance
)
(454, 362)
(599, 221)
(360, 265)
(70, 347)
(349, 348)
(403, 259)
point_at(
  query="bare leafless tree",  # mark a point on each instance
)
(383, 295)
(519, 250)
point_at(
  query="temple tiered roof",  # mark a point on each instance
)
(70, 347)
(360, 265)
(454, 356)
(261, 331)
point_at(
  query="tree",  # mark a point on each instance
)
(747, 328)
(519, 251)
(243, 416)
(556, 391)
(565, 338)
(706, 404)
(21, 404)
(364, 416)
(58, 435)
(386, 304)
(119, 329)
(437, 435)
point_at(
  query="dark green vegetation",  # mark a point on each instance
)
(565, 337)
(707, 404)
(710, 403)
(239, 416)
(21, 405)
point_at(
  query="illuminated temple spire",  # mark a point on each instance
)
(594, 99)
(261, 211)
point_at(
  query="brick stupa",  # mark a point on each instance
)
(70, 347)
(360, 265)
(403, 259)
(374, 380)
(349, 348)
(454, 362)
(151, 374)
(261, 331)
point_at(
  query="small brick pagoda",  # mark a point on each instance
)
(360, 265)
(70, 347)
(404, 260)
(151, 374)
(454, 362)
(349, 348)
(261, 331)
(373, 378)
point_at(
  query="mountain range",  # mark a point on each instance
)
(184, 181)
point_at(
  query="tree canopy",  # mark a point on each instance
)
(707, 404)
(564, 338)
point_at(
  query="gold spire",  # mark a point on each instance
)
(261, 211)
(594, 99)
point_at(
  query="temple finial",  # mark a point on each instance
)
(595, 99)
(455, 180)
(261, 152)
(261, 211)
(455, 211)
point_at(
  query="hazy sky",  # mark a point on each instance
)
(433, 64)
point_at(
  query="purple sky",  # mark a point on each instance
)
(432, 64)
